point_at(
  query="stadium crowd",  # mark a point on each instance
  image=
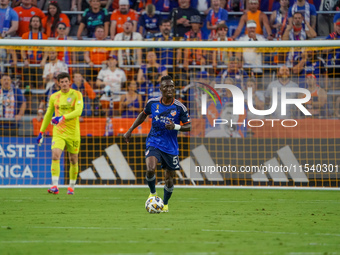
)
(119, 82)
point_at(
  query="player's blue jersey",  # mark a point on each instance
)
(160, 137)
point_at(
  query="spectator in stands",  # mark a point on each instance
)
(46, 97)
(120, 16)
(308, 62)
(233, 5)
(93, 17)
(161, 5)
(216, 18)
(65, 5)
(258, 17)
(258, 99)
(318, 102)
(233, 71)
(284, 80)
(336, 17)
(337, 107)
(279, 19)
(193, 56)
(149, 76)
(333, 55)
(182, 17)
(8, 57)
(220, 56)
(12, 106)
(203, 6)
(250, 55)
(308, 10)
(80, 84)
(325, 24)
(66, 56)
(96, 57)
(131, 103)
(33, 75)
(8, 26)
(52, 19)
(127, 56)
(54, 66)
(9, 19)
(149, 22)
(298, 30)
(25, 12)
(166, 55)
(111, 80)
(336, 34)
(112, 5)
(16, 3)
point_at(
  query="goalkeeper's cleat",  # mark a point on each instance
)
(53, 190)
(70, 191)
(165, 208)
(152, 195)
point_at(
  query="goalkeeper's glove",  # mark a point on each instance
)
(40, 138)
(56, 120)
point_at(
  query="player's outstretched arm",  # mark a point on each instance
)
(173, 126)
(139, 120)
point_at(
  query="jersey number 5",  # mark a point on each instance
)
(175, 160)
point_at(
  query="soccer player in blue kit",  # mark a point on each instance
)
(161, 144)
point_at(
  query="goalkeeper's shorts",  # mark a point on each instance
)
(71, 145)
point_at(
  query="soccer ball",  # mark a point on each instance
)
(154, 204)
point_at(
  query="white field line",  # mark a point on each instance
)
(191, 200)
(312, 253)
(203, 230)
(158, 253)
(177, 187)
(100, 228)
(268, 232)
(107, 242)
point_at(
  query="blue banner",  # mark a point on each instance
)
(23, 162)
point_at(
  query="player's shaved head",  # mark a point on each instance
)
(166, 78)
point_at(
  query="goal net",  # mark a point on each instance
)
(262, 113)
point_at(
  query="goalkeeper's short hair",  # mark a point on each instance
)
(63, 75)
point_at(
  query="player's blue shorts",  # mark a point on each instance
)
(167, 161)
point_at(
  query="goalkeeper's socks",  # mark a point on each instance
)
(72, 183)
(55, 169)
(152, 183)
(55, 181)
(167, 193)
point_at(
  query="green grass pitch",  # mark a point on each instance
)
(200, 222)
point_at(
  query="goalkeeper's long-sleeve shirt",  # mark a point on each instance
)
(70, 105)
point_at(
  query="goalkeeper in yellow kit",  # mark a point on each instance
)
(67, 104)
